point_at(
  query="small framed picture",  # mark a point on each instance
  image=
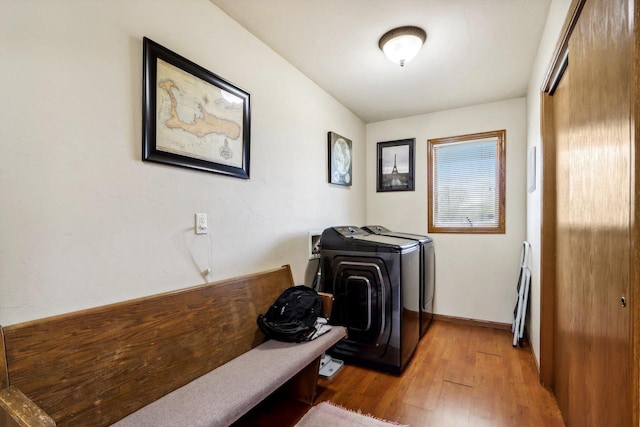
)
(339, 159)
(395, 165)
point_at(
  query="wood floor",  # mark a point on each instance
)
(460, 375)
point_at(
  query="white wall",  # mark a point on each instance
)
(475, 274)
(551, 33)
(85, 222)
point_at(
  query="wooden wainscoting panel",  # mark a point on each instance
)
(92, 368)
(4, 374)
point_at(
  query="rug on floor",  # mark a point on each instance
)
(329, 414)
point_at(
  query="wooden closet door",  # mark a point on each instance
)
(592, 108)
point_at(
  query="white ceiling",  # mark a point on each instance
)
(476, 51)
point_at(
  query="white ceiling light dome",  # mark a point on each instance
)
(402, 44)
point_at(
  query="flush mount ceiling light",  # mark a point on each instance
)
(402, 44)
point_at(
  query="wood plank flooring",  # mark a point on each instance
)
(460, 375)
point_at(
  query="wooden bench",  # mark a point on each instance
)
(190, 357)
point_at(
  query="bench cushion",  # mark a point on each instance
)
(223, 395)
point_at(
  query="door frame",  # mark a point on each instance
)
(548, 209)
(548, 197)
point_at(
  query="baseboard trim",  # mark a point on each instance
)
(533, 353)
(473, 322)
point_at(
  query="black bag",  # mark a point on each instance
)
(292, 316)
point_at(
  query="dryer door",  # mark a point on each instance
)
(362, 300)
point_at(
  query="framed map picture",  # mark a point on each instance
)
(192, 117)
(339, 159)
(395, 165)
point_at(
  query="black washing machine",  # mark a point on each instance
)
(427, 271)
(371, 277)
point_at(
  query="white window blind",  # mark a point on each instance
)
(466, 184)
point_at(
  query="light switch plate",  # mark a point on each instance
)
(201, 223)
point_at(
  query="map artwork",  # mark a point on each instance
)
(196, 118)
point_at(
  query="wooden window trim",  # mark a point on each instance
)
(501, 136)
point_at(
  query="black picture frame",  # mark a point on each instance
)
(396, 165)
(193, 118)
(340, 159)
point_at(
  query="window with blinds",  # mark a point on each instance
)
(466, 186)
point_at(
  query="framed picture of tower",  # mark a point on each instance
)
(395, 165)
